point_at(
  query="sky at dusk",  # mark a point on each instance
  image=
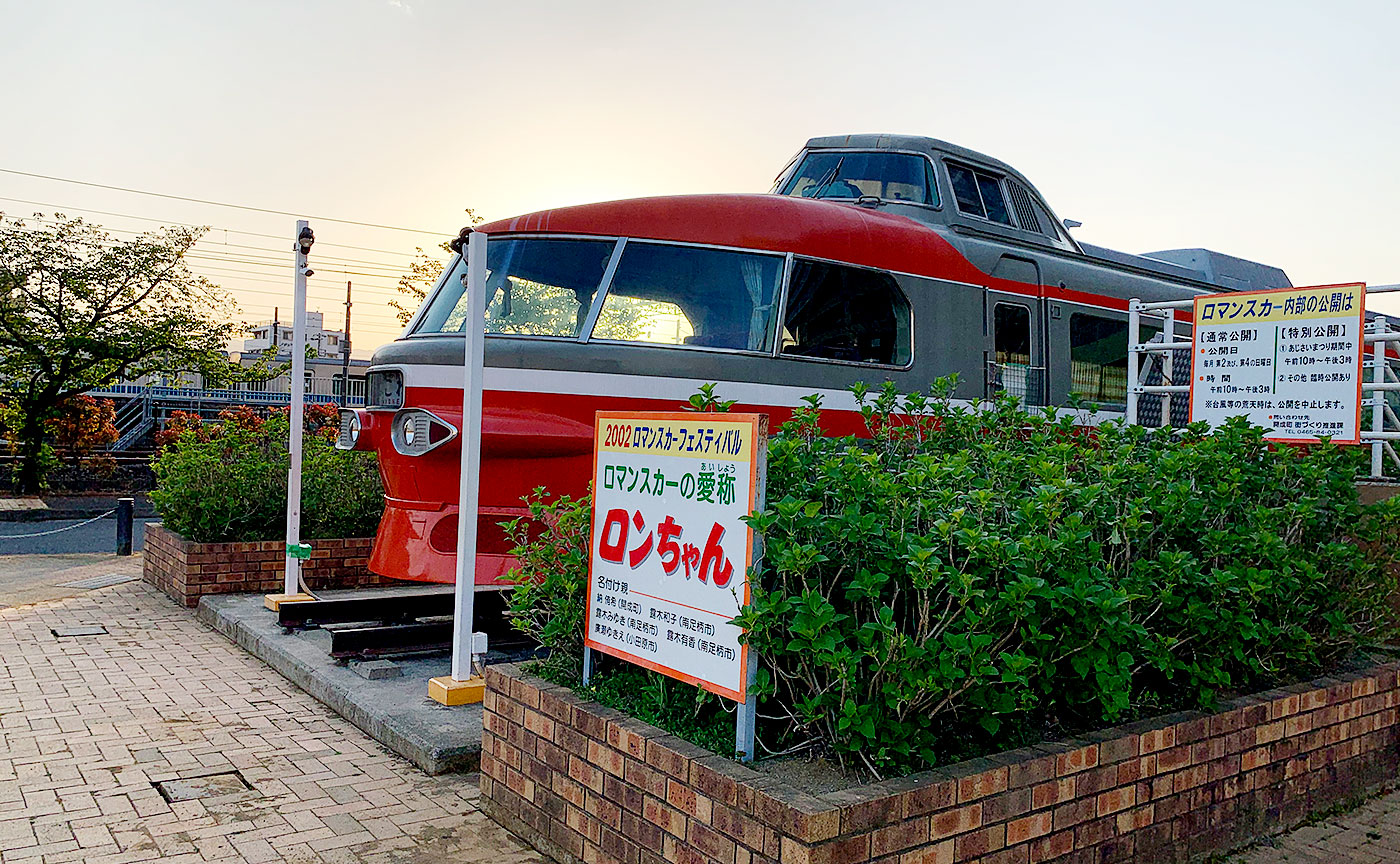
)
(1265, 130)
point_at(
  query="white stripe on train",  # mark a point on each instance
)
(648, 387)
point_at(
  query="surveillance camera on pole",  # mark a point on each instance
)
(297, 552)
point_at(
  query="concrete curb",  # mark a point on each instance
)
(396, 712)
(78, 507)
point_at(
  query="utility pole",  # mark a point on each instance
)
(275, 324)
(345, 352)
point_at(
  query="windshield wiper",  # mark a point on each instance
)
(829, 178)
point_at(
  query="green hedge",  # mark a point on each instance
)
(966, 580)
(971, 578)
(227, 482)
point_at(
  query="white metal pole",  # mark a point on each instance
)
(1134, 331)
(1378, 397)
(1169, 376)
(298, 400)
(474, 339)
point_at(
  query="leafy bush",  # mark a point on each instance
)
(547, 601)
(966, 580)
(227, 482)
(969, 579)
(547, 604)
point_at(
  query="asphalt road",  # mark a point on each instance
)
(99, 536)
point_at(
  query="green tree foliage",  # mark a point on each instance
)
(227, 481)
(80, 309)
(971, 578)
(423, 272)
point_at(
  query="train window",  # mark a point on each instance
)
(846, 313)
(979, 194)
(1098, 359)
(905, 177)
(535, 287)
(689, 295)
(1011, 326)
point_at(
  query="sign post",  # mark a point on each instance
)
(671, 555)
(465, 685)
(1289, 360)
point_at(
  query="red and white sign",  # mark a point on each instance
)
(670, 552)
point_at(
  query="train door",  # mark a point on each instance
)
(1015, 347)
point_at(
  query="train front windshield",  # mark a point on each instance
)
(905, 177)
(660, 293)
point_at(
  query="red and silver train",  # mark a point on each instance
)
(874, 258)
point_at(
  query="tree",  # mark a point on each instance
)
(80, 309)
(423, 272)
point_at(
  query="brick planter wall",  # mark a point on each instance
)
(582, 782)
(186, 570)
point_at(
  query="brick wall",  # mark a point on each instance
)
(582, 782)
(187, 571)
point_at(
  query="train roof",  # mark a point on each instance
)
(1199, 265)
(774, 223)
(917, 143)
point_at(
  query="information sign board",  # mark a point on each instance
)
(1287, 359)
(670, 553)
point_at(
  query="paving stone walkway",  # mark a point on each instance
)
(91, 725)
(1366, 835)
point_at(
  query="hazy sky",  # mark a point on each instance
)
(1267, 130)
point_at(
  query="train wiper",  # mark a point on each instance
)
(828, 178)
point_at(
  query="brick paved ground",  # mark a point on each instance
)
(88, 724)
(1369, 834)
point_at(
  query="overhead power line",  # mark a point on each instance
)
(221, 203)
(226, 230)
(276, 267)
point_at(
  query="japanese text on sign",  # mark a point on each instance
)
(1288, 360)
(670, 551)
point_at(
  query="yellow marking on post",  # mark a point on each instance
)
(275, 601)
(449, 691)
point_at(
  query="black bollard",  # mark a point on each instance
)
(125, 509)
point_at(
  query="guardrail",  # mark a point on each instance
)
(212, 394)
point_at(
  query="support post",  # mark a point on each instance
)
(746, 717)
(1134, 334)
(296, 551)
(1168, 357)
(126, 508)
(464, 685)
(1378, 398)
(345, 352)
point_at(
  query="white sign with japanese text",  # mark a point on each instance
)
(1288, 359)
(670, 553)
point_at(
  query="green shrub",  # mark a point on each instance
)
(547, 601)
(547, 604)
(228, 483)
(969, 579)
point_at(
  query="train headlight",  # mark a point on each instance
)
(349, 430)
(416, 432)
